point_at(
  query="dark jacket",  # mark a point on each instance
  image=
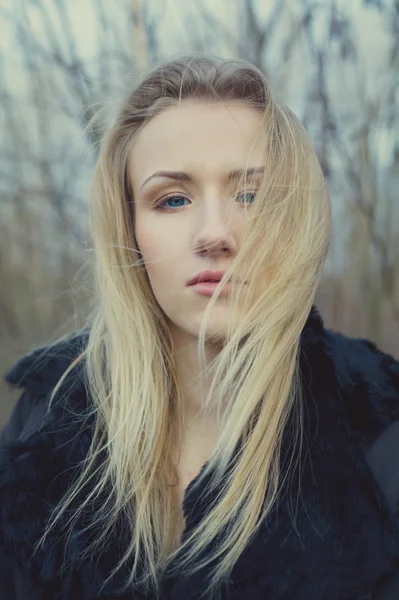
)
(334, 538)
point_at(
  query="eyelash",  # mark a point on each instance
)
(160, 205)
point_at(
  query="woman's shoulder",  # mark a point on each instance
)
(365, 377)
(41, 368)
(36, 374)
(368, 384)
(42, 444)
(367, 380)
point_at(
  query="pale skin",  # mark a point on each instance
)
(206, 141)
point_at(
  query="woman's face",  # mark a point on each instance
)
(202, 221)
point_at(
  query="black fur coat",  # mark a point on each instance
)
(338, 539)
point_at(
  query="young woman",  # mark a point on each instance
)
(205, 435)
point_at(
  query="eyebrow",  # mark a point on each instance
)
(181, 176)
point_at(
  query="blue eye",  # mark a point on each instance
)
(249, 194)
(161, 205)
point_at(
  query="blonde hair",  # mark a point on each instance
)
(129, 358)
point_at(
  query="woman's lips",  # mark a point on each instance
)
(207, 288)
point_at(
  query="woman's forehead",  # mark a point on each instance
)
(204, 139)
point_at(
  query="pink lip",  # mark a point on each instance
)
(207, 276)
(207, 288)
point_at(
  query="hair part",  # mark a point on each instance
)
(129, 360)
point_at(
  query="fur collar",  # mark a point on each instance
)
(333, 534)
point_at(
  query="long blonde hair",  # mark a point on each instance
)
(129, 358)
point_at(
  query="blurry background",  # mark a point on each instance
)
(335, 63)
